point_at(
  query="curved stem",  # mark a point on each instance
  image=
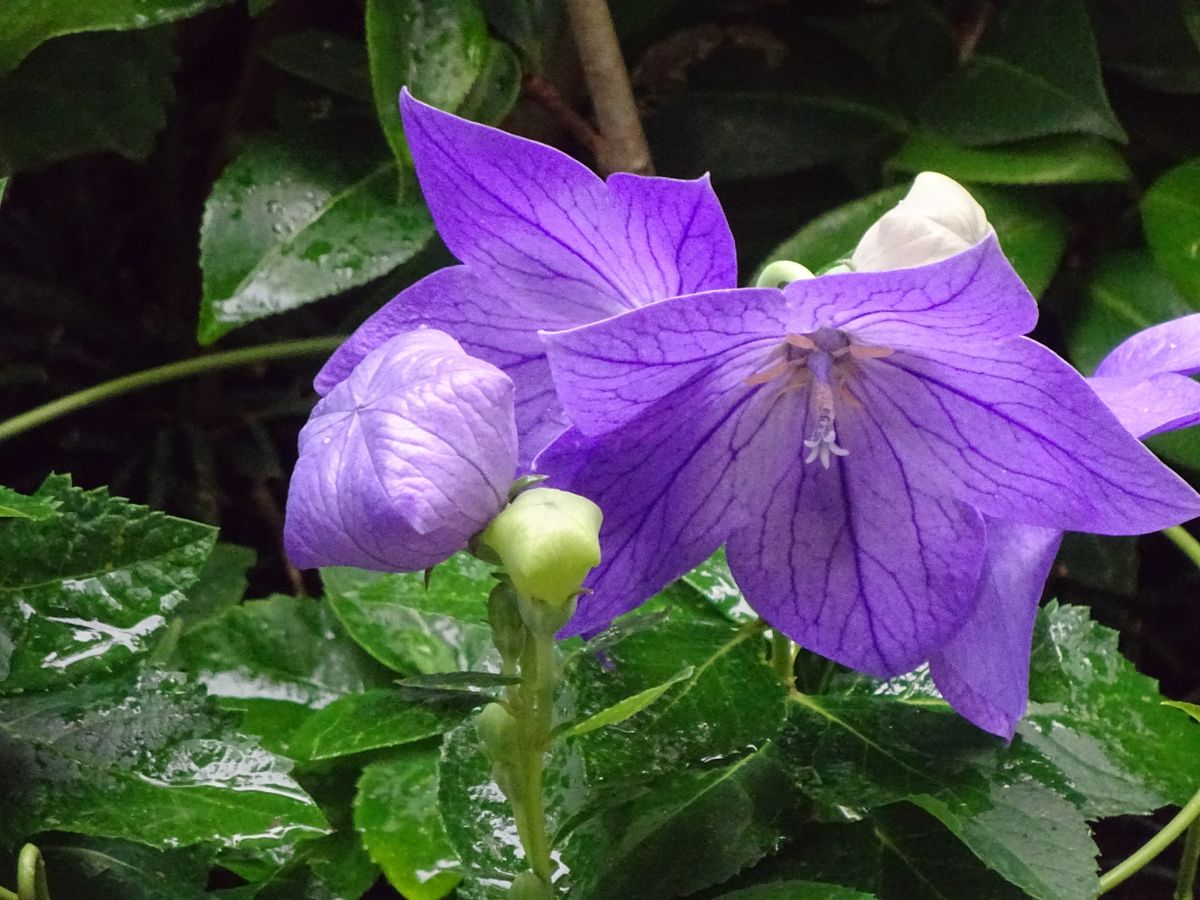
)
(31, 875)
(159, 374)
(1181, 538)
(1185, 882)
(1156, 845)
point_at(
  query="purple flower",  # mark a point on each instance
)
(844, 437)
(983, 670)
(545, 244)
(404, 460)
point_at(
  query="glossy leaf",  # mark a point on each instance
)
(623, 709)
(1171, 216)
(370, 721)
(496, 89)
(221, 585)
(22, 506)
(334, 867)
(1057, 159)
(797, 890)
(145, 759)
(81, 866)
(297, 217)
(466, 682)
(713, 581)
(396, 811)
(435, 48)
(1036, 72)
(87, 590)
(415, 630)
(84, 94)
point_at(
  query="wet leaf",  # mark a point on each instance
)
(334, 867)
(81, 866)
(1171, 217)
(87, 590)
(623, 709)
(145, 759)
(371, 721)
(713, 581)
(797, 890)
(221, 585)
(466, 682)
(1057, 159)
(22, 506)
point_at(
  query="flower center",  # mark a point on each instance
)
(822, 361)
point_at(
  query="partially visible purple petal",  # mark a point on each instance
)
(1170, 347)
(1012, 429)
(1150, 405)
(404, 460)
(858, 562)
(609, 372)
(975, 294)
(548, 229)
(983, 670)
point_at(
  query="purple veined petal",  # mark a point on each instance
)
(1170, 347)
(1013, 430)
(1147, 406)
(610, 372)
(547, 228)
(858, 562)
(488, 325)
(983, 670)
(404, 460)
(975, 294)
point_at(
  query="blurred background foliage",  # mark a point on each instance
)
(192, 174)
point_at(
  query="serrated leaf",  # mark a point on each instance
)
(87, 590)
(1036, 72)
(1171, 217)
(221, 584)
(630, 706)
(297, 217)
(1057, 159)
(435, 48)
(83, 94)
(146, 759)
(21, 506)
(396, 811)
(415, 630)
(371, 720)
(81, 866)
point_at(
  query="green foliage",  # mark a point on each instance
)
(81, 866)
(1059, 159)
(370, 721)
(1171, 215)
(22, 506)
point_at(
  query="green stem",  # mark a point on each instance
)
(159, 374)
(6, 894)
(1156, 845)
(1185, 882)
(783, 658)
(1179, 536)
(539, 672)
(31, 875)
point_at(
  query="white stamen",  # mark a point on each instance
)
(823, 444)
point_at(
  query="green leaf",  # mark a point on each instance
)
(1032, 233)
(1100, 561)
(370, 721)
(1190, 708)
(85, 94)
(147, 760)
(297, 217)
(415, 630)
(714, 582)
(89, 589)
(396, 811)
(467, 682)
(329, 60)
(693, 133)
(1035, 73)
(1171, 217)
(435, 48)
(623, 709)
(1149, 42)
(221, 585)
(26, 23)
(81, 866)
(497, 88)
(797, 890)
(21, 506)
(334, 867)
(1057, 159)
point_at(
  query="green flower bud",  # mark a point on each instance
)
(528, 886)
(548, 541)
(497, 730)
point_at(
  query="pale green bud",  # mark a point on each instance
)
(497, 730)
(528, 886)
(548, 541)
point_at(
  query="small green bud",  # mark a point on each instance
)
(498, 732)
(528, 886)
(548, 541)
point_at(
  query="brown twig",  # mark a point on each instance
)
(624, 148)
(547, 96)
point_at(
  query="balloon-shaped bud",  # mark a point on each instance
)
(497, 730)
(548, 541)
(937, 219)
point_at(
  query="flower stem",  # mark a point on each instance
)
(1182, 539)
(159, 374)
(31, 874)
(534, 710)
(1156, 845)
(783, 658)
(1186, 880)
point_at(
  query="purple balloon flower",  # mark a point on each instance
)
(983, 670)
(404, 460)
(844, 437)
(545, 244)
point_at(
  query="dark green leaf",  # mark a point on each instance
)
(84, 94)
(435, 48)
(396, 812)
(797, 890)
(1056, 159)
(713, 581)
(147, 760)
(1035, 73)
(1100, 561)
(297, 217)
(496, 89)
(26, 23)
(221, 585)
(370, 721)
(329, 60)
(85, 591)
(1032, 233)
(80, 866)
(21, 506)
(334, 867)
(1148, 41)
(1171, 216)
(414, 630)
(468, 682)
(623, 709)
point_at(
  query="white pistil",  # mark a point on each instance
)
(823, 444)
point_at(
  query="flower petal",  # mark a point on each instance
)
(1012, 429)
(859, 562)
(983, 670)
(547, 228)
(975, 294)
(1170, 347)
(404, 460)
(1150, 405)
